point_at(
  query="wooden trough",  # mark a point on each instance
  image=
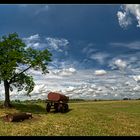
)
(57, 101)
(17, 117)
(53, 96)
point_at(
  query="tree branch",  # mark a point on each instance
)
(10, 81)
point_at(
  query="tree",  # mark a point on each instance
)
(15, 59)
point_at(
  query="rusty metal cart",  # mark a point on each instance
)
(58, 102)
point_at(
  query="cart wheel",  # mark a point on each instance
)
(61, 108)
(56, 107)
(48, 107)
(66, 107)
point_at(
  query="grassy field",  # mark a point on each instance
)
(101, 118)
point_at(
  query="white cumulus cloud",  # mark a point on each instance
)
(128, 12)
(64, 72)
(100, 72)
(123, 19)
(137, 78)
(82, 84)
(119, 64)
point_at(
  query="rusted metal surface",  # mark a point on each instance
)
(58, 102)
(53, 96)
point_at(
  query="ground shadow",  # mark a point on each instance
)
(53, 111)
(32, 108)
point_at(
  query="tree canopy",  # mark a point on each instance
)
(15, 59)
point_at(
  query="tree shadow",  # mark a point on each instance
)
(32, 108)
(53, 111)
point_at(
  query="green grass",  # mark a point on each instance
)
(103, 118)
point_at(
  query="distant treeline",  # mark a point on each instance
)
(40, 101)
(70, 100)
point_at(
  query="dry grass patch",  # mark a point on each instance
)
(103, 118)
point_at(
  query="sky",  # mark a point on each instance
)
(95, 47)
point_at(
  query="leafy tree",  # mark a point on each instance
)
(15, 59)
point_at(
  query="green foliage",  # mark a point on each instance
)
(37, 59)
(23, 82)
(11, 49)
(13, 55)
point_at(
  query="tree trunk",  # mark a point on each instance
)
(7, 96)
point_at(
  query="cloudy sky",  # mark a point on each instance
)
(96, 48)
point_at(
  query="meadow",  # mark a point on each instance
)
(84, 118)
